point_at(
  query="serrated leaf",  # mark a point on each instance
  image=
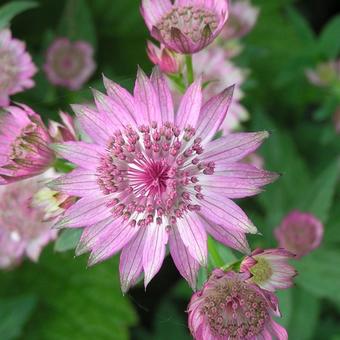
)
(77, 23)
(329, 42)
(73, 299)
(319, 273)
(68, 240)
(14, 313)
(13, 8)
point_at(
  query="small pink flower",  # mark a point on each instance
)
(242, 18)
(218, 73)
(269, 268)
(69, 64)
(325, 74)
(64, 131)
(22, 230)
(150, 177)
(229, 307)
(24, 148)
(16, 67)
(300, 233)
(185, 26)
(167, 60)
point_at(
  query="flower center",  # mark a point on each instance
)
(191, 21)
(235, 310)
(68, 62)
(153, 173)
(261, 271)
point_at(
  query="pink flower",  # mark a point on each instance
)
(69, 64)
(185, 26)
(64, 131)
(269, 268)
(325, 74)
(242, 18)
(24, 148)
(16, 67)
(229, 307)
(300, 233)
(167, 60)
(218, 72)
(22, 231)
(151, 177)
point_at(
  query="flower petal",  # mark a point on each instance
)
(185, 263)
(154, 250)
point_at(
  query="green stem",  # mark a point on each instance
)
(190, 69)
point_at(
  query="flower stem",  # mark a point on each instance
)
(190, 69)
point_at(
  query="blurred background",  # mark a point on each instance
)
(59, 298)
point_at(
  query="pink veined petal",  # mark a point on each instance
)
(120, 95)
(79, 182)
(118, 236)
(221, 210)
(93, 124)
(213, 114)
(194, 237)
(82, 154)
(154, 250)
(277, 331)
(190, 106)
(92, 234)
(230, 237)
(238, 180)
(179, 42)
(146, 101)
(86, 211)
(116, 115)
(234, 147)
(131, 261)
(153, 11)
(185, 263)
(164, 96)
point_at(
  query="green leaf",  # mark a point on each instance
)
(318, 198)
(73, 299)
(13, 8)
(77, 23)
(329, 42)
(14, 313)
(319, 273)
(68, 240)
(305, 312)
(286, 306)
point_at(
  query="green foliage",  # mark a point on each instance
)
(73, 299)
(13, 8)
(14, 313)
(329, 42)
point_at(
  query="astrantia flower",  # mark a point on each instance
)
(168, 61)
(242, 18)
(325, 74)
(16, 67)
(185, 26)
(22, 231)
(300, 233)
(219, 73)
(228, 307)
(64, 131)
(69, 64)
(151, 177)
(24, 147)
(269, 268)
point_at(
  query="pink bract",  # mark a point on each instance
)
(64, 131)
(229, 307)
(16, 67)
(24, 148)
(185, 26)
(269, 268)
(152, 177)
(167, 61)
(22, 230)
(300, 233)
(69, 64)
(242, 18)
